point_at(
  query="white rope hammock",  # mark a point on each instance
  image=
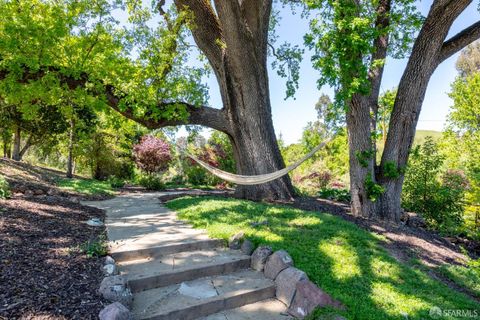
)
(257, 179)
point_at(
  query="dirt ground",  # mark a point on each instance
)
(42, 274)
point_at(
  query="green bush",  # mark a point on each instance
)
(93, 248)
(436, 195)
(4, 188)
(151, 182)
(116, 182)
(342, 195)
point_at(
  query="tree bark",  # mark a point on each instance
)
(27, 146)
(71, 141)
(429, 50)
(17, 138)
(241, 71)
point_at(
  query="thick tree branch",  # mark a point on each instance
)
(203, 115)
(460, 41)
(206, 30)
(198, 115)
(257, 14)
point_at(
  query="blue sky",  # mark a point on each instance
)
(292, 115)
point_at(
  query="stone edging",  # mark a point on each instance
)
(294, 289)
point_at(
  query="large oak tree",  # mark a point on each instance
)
(232, 35)
(352, 40)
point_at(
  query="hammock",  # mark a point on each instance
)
(258, 179)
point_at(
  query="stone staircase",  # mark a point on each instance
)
(197, 279)
(178, 273)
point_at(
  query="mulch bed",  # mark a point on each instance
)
(42, 276)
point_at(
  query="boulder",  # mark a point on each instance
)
(308, 297)
(109, 260)
(115, 289)
(235, 241)
(95, 222)
(28, 193)
(74, 199)
(247, 247)
(115, 311)
(259, 257)
(277, 262)
(109, 269)
(286, 282)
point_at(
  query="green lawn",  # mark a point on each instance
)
(346, 261)
(86, 186)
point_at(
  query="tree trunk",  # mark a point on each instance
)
(361, 156)
(16, 144)
(27, 146)
(71, 140)
(240, 66)
(429, 50)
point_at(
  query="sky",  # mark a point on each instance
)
(292, 115)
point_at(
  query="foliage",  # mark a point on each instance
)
(468, 63)
(438, 197)
(342, 195)
(349, 263)
(364, 156)
(116, 182)
(4, 188)
(342, 36)
(374, 190)
(95, 248)
(461, 140)
(217, 151)
(152, 155)
(385, 108)
(151, 182)
(86, 186)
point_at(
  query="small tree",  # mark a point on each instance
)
(437, 196)
(152, 155)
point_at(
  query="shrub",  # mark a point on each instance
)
(151, 182)
(152, 155)
(342, 195)
(95, 248)
(435, 195)
(4, 188)
(116, 182)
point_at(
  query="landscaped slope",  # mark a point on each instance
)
(346, 261)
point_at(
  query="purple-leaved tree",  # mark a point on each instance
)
(152, 155)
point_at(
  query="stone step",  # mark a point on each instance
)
(183, 266)
(181, 245)
(270, 309)
(202, 297)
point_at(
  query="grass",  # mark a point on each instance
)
(466, 277)
(347, 262)
(86, 186)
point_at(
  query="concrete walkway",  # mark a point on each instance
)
(177, 272)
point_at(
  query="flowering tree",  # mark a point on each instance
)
(152, 154)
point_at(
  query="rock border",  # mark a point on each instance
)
(114, 288)
(293, 288)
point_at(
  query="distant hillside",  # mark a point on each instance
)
(420, 136)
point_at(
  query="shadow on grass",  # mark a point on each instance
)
(347, 262)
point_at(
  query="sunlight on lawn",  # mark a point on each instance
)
(347, 262)
(86, 186)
